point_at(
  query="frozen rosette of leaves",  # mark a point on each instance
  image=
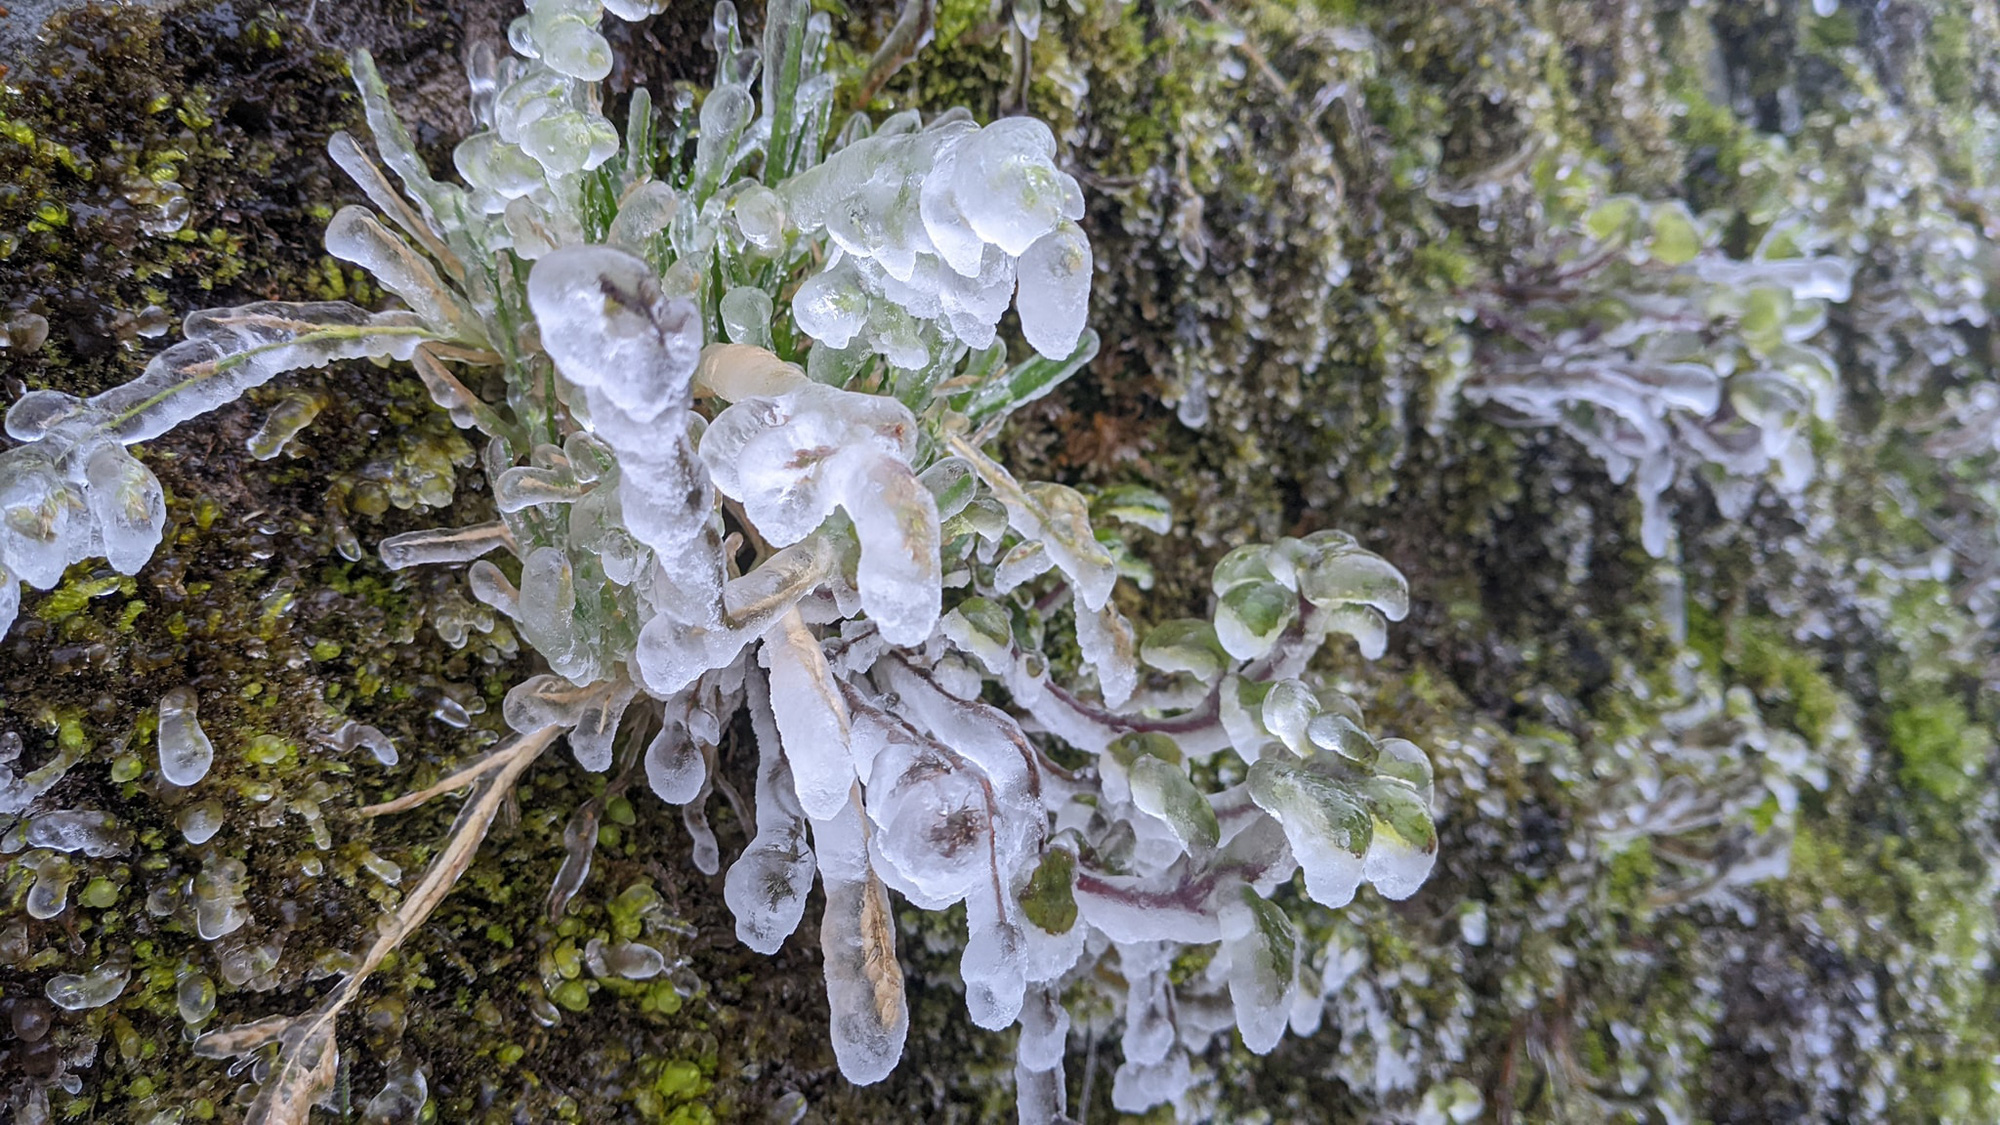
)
(1634, 331)
(1153, 853)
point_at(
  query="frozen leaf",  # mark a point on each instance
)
(857, 937)
(443, 545)
(1054, 295)
(982, 628)
(1130, 503)
(1289, 708)
(1161, 789)
(609, 327)
(1108, 644)
(1251, 617)
(811, 716)
(1404, 844)
(1253, 563)
(229, 351)
(356, 236)
(1406, 762)
(1185, 645)
(1005, 183)
(1334, 577)
(128, 505)
(676, 769)
(1326, 823)
(1262, 947)
(766, 887)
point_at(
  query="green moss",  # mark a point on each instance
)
(1943, 751)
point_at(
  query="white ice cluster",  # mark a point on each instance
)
(738, 465)
(1646, 342)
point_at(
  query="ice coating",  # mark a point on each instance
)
(766, 887)
(608, 325)
(864, 981)
(185, 749)
(936, 223)
(714, 502)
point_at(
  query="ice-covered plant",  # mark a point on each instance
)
(1635, 332)
(735, 384)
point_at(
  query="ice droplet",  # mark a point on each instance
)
(185, 751)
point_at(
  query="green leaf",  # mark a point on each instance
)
(1002, 394)
(1255, 562)
(1049, 899)
(1133, 504)
(1765, 311)
(1612, 218)
(1250, 618)
(1187, 644)
(1675, 238)
(1161, 790)
(1324, 820)
(1355, 576)
(984, 630)
(1129, 748)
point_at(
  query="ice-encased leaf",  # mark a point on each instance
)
(994, 965)
(229, 351)
(1006, 185)
(980, 627)
(545, 701)
(590, 739)
(857, 939)
(1188, 645)
(1336, 577)
(1134, 504)
(789, 457)
(1024, 562)
(442, 545)
(1253, 563)
(1403, 847)
(932, 816)
(1406, 762)
(766, 887)
(1108, 643)
(1327, 825)
(1288, 710)
(355, 235)
(896, 520)
(1162, 790)
(1004, 392)
(608, 325)
(1262, 947)
(10, 600)
(1250, 618)
(676, 769)
(1054, 291)
(812, 718)
(1059, 517)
